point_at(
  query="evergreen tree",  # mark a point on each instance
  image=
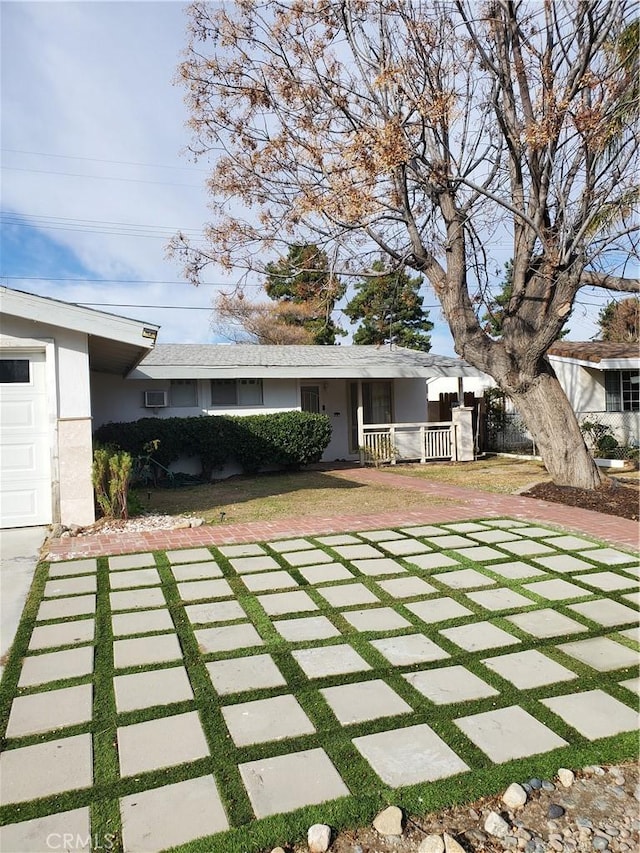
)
(620, 321)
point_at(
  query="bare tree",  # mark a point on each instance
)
(243, 321)
(437, 132)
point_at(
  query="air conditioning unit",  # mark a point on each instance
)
(155, 399)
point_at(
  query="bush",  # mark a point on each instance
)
(283, 439)
(111, 476)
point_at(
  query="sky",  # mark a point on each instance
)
(95, 180)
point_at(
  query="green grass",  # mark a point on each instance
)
(369, 793)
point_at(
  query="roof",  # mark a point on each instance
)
(605, 354)
(116, 344)
(211, 361)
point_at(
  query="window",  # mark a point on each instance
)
(236, 392)
(377, 407)
(14, 370)
(310, 398)
(184, 392)
(622, 390)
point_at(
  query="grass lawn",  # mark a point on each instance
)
(266, 497)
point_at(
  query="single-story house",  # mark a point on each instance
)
(65, 370)
(48, 352)
(602, 381)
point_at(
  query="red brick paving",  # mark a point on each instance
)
(462, 504)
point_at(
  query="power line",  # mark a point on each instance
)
(104, 160)
(98, 177)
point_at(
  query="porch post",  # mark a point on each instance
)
(460, 391)
(462, 418)
(360, 421)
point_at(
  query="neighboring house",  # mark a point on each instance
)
(602, 381)
(47, 351)
(354, 386)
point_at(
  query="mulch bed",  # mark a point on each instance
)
(614, 499)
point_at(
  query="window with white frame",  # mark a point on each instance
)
(622, 390)
(236, 392)
(184, 393)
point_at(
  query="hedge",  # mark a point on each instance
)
(283, 439)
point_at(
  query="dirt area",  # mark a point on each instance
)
(618, 497)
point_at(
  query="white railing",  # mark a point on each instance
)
(391, 443)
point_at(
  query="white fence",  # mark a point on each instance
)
(391, 443)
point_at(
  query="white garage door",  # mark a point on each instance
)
(25, 458)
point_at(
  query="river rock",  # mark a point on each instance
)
(566, 777)
(431, 844)
(319, 838)
(515, 796)
(389, 821)
(451, 845)
(555, 811)
(496, 825)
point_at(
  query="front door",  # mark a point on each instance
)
(377, 407)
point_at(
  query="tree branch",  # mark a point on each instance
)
(589, 278)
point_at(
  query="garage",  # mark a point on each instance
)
(25, 442)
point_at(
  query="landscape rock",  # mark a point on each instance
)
(431, 844)
(451, 845)
(535, 783)
(547, 785)
(389, 821)
(515, 796)
(319, 838)
(555, 811)
(600, 843)
(566, 777)
(278, 850)
(197, 522)
(496, 825)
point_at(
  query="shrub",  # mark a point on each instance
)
(111, 476)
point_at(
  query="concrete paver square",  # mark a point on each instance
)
(601, 653)
(438, 610)
(632, 684)
(451, 541)
(286, 545)
(631, 634)
(499, 599)
(563, 563)
(195, 590)
(134, 578)
(145, 650)
(326, 573)
(381, 535)
(269, 580)
(73, 567)
(227, 638)
(365, 700)
(516, 570)
(569, 543)
(329, 660)
(509, 733)
(526, 548)
(161, 743)
(376, 619)
(409, 756)
(609, 556)
(279, 603)
(308, 558)
(464, 579)
(535, 532)
(348, 594)
(449, 685)
(606, 612)
(409, 649)
(188, 555)
(494, 536)
(62, 634)
(265, 720)
(358, 552)
(254, 564)
(141, 622)
(305, 629)
(45, 769)
(479, 636)
(529, 669)
(546, 623)
(45, 712)
(503, 522)
(377, 568)
(423, 530)
(607, 581)
(215, 611)
(237, 675)
(54, 666)
(30, 836)
(171, 815)
(131, 561)
(403, 547)
(59, 587)
(480, 554)
(148, 689)
(406, 587)
(63, 608)
(557, 590)
(196, 571)
(245, 550)
(594, 713)
(431, 561)
(289, 782)
(338, 539)
(465, 527)
(137, 599)
(633, 597)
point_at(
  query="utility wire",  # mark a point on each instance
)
(103, 160)
(98, 177)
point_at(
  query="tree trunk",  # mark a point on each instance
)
(551, 421)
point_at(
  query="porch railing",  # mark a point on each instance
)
(391, 443)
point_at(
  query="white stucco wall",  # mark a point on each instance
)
(584, 386)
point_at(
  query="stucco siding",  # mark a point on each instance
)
(75, 460)
(584, 386)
